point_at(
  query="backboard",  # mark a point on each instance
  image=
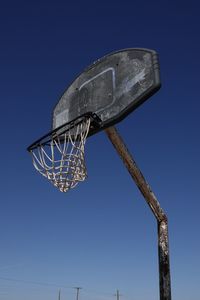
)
(111, 87)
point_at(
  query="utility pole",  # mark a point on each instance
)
(59, 295)
(77, 292)
(117, 295)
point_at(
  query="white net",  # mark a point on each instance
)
(62, 160)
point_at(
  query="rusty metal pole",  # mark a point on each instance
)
(164, 266)
(163, 244)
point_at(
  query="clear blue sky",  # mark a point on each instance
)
(100, 236)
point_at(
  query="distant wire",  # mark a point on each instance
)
(35, 282)
(105, 294)
(97, 292)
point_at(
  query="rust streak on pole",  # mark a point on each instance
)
(136, 174)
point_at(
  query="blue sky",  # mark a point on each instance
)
(100, 236)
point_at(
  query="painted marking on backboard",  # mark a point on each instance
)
(127, 86)
(62, 118)
(113, 76)
(99, 74)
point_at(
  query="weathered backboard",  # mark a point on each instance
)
(111, 87)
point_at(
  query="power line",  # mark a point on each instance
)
(35, 282)
(100, 293)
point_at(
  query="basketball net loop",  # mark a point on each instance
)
(62, 159)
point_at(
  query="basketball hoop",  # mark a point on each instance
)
(59, 156)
